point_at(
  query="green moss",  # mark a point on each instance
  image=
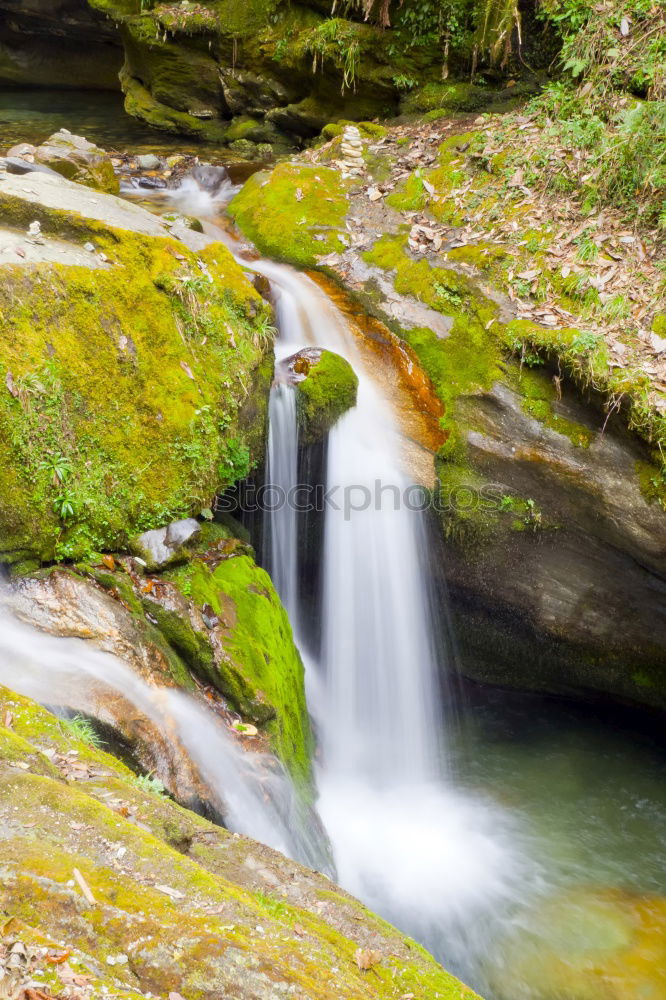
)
(130, 384)
(294, 213)
(539, 400)
(261, 672)
(139, 103)
(446, 97)
(659, 324)
(328, 390)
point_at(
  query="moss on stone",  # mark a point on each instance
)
(261, 672)
(129, 386)
(328, 390)
(182, 899)
(294, 213)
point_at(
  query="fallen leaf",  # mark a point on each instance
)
(171, 893)
(58, 959)
(366, 958)
(188, 371)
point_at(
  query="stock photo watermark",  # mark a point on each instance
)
(354, 498)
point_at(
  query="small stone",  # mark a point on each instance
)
(148, 161)
(89, 247)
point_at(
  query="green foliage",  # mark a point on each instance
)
(149, 783)
(82, 729)
(336, 40)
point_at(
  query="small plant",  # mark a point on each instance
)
(82, 729)
(586, 342)
(265, 331)
(63, 505)
(274, 906)
(402, 82)
(58, 466)
(149, 783)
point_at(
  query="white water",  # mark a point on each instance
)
(281, 555)
(254, 798)
(429, 858)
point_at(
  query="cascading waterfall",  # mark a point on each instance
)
(403, 839)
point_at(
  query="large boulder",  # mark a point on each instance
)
(78, 160)
(135, 381)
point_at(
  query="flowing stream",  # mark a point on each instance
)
(519, 848)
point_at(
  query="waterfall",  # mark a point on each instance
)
(281, 550)
(404, 839)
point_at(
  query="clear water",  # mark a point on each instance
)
(34, 115)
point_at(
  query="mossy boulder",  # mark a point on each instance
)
(78, 160)
(249, 653)
(326, 387)
(295, 212)
(136, 894)
(135, 380)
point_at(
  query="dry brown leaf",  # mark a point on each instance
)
(366, 958)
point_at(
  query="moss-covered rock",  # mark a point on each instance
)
(326, 387)
(294, 213)
(78, 160)
(136, 894)
(126, 382)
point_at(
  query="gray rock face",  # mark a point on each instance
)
(165, 546)
(573, 599)
(16, 165)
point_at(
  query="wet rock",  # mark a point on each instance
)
(148, 161)
(78, 160)
(24, 150)
(326, 387)
(184, 883)
(16, 165)
(165, 546)
(209, 177)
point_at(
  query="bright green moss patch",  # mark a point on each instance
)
(125, 385)
(261, 672)
(539, 400)
(294, 213)
(328, 390)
